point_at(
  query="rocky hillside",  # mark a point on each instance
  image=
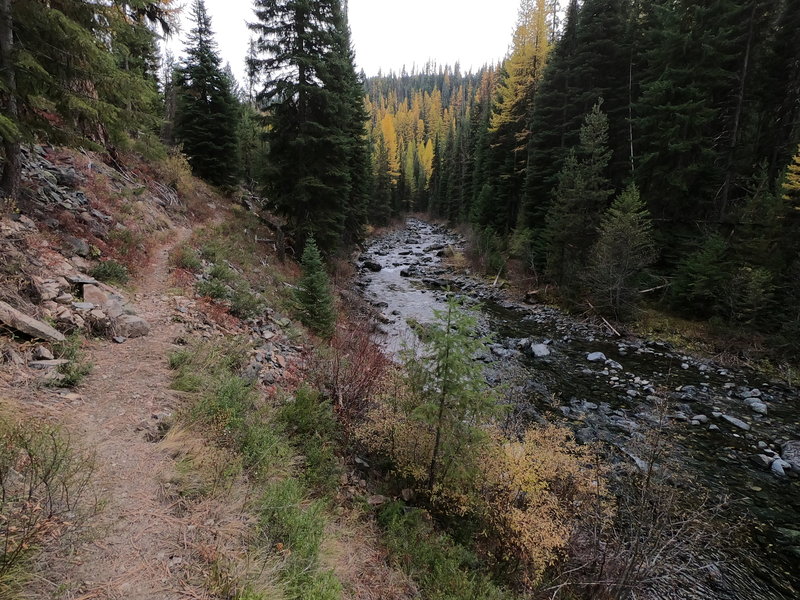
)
(126, 307)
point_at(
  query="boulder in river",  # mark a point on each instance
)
(596, 357)
(779, 467)
(372, 266)
(540, 350)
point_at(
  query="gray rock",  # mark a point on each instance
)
(754, 393)
(759, 407)
(713, 427)
(81, 279)
(82, 305)
(779, 467)
(118, 339)
(28, 325)
(540, 350)
(78, 246)
(47, 364)
(736, 422)
(612, 364)
(790, 452)
(596, 357)
(761, 460)
(372, 266)
(700, 419)
(130, 326)
(93, 294)
(42, 353)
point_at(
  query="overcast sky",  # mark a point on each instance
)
(388, 34)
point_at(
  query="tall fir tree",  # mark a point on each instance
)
(579, 202)
(207, 111)
(318, 163)
(624, 249)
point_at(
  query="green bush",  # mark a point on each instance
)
(110, 271)
(223, 273)
(441, 567)
(245, 304)
(314, 430)
(186, 258)
(213, 288)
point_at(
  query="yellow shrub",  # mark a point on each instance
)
(535, 493)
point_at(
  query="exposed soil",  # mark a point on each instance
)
(136, 547)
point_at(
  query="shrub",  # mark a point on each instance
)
(441, 567)
(213, 288)
(77, 368)
(185, 257)
(351, 370)
(43, 482)
(310, 422)
(314, 298)
(110, 271)
(245, 304)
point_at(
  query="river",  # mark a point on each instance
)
(729, 426)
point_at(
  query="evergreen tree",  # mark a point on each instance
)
(80, 93)
(315, 130)
(206, 112)
(579, 201)
(624, 249)
(553, 127)
(314, 299)
(451, 397)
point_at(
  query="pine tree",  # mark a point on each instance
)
(315, 303)
(313, 125)
(81, 93)
(452, 401)
(579, 202)
(207, 112)
(509, 129)
(624, 249)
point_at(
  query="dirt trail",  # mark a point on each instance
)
(133, 548)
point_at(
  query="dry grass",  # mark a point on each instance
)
(353, 550)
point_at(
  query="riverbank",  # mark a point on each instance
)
(734, 432)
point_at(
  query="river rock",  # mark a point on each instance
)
(754, 393)
(700, 419)
(736, 422)
(779, 467)
(790, 452)
(761, 460)
(540, 350)
(758, 407)
(372, 266)
(596, 357)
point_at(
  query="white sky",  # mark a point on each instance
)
(388, 34)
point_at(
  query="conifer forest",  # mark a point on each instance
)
(276, 327)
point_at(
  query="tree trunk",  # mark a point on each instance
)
(9, 182)
(737, 118)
